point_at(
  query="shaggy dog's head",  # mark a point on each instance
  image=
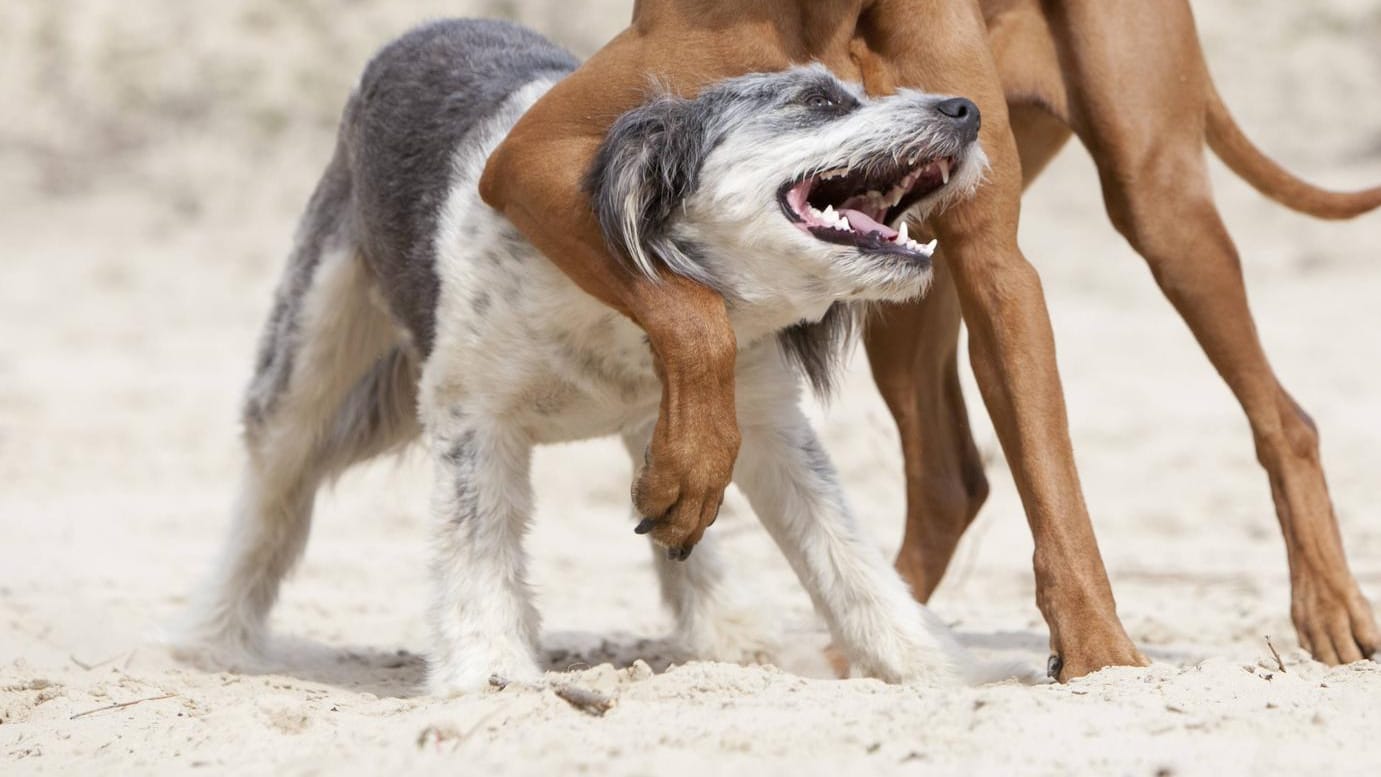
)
(789, 189)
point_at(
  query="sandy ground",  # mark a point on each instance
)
(153, 157)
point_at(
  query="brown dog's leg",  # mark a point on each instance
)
(1149, 152)
(913, 352)
(942, 47)
(534, 177)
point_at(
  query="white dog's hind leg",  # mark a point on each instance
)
(712, 623)
(483, 620)
(793, 488)
(333, 387)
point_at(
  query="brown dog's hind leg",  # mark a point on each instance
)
(913, 351)
(1170, 219)
(1149, 152)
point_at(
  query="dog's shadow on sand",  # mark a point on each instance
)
(401, 673)
(1018, 644)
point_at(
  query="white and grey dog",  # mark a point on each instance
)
(410, 308)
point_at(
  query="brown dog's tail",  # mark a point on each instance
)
(1233, 147)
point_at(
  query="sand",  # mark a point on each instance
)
(153, 158)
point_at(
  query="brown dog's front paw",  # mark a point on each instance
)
(1092, 653)
(695, 441)
(1334, 622)
(679, 494)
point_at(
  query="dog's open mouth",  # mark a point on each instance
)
(853, 206)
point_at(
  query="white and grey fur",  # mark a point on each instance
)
(408, 308)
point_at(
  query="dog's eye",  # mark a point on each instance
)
(818, 100)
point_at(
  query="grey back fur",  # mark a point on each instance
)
(322, 226)
(418, 100)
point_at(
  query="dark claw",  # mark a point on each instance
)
(1053, 666)
(644, 526)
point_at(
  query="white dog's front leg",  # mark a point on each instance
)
(483, 621)
(792, 486)
(713, 620)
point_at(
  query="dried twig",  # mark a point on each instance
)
(97, 665)
(1279, 663)
(437, 735)
(121, 705)
(587, 701)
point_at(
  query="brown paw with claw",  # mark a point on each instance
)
(679, 490)
(1334, 621)
(1091, 654)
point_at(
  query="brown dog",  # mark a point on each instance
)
(1143, 108)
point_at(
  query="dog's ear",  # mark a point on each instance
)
(647, 166)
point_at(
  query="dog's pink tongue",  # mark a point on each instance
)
(863, 223)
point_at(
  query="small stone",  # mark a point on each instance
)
(639, 670)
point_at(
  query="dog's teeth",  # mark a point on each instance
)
(930, 247)
(833, 219)
(944, 170)
(902, 236)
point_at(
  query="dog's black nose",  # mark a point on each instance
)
(963, 113)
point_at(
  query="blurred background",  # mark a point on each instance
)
(154, 157)
(155, 154)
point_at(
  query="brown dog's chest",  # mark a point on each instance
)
(706, 40)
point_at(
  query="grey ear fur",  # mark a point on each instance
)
(818, 349)
(647, 166)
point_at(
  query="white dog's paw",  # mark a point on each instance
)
(216, 643)
(734, 635)
(465, 672)
(918, 649)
